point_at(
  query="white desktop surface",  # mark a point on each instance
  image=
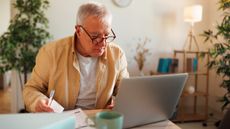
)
(60, 121)
(159, 125)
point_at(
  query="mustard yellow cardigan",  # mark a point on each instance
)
(57, 68)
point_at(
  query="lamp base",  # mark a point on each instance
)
(189, 41)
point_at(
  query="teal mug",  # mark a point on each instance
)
(109, 120)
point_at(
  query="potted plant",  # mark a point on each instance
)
(220, 50)
(25, 35)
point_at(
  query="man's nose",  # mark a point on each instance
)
(102, 42)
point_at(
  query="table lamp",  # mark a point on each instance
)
(192, 14)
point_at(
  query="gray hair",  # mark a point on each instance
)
(94, 9)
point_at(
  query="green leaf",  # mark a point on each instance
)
(25, 35)
(220, 51)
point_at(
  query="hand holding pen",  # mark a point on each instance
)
(51, 97)
(43, 105)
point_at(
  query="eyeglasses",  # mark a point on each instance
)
(97, 40)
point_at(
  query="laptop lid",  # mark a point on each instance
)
(148, 99)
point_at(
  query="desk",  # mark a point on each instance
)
(160, 125)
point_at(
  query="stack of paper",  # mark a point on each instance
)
(82, 120)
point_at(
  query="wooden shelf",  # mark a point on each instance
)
(182, 113)
(189, 117)
(197, 93)
(198, 73)
(195, 73)
(182, 51)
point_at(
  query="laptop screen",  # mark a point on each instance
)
(148, 99)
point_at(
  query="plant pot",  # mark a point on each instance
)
(141, 73)
(225, 124)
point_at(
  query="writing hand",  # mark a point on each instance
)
(42, 106)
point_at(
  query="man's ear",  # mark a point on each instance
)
(77, 30)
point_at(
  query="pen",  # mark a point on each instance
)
(51, 97)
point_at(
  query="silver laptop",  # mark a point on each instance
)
(149, 99)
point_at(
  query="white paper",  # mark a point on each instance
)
(82, 120)
(56, 106)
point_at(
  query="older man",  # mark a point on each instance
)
(84, 70)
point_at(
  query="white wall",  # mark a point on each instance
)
(4, 15)
(159, 20)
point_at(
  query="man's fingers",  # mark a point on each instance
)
(46, 108)
(42, 106)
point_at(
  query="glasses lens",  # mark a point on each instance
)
(109, 39)
(97, 40)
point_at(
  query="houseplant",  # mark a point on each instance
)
(220, 50)
(25, 35)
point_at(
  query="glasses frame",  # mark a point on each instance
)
(95, 40)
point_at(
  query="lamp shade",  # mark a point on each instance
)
(193, 13)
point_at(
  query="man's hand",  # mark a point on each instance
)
(42, 106)
(111, 104)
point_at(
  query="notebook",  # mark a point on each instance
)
(148, 99)
(37, 121)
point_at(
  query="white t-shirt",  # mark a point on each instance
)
(87, 93)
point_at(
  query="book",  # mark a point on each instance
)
(37, 121)
(167, 65)
(192, 64)
(195, 63)
(189, 65)
(163, 65)
(174, 66)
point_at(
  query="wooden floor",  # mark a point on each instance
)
(5, 101)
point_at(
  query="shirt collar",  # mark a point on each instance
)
(73, 43)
